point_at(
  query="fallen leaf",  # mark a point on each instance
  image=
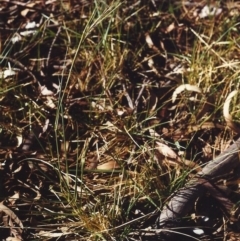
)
(183, 87)
(226, 113)
(46, 91)
(11, 214)
(26, 10)
(166, 150)
(13, 198)
(13, 239)
(149, 40)
(108, 165)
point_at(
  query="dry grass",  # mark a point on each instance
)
(107, 109)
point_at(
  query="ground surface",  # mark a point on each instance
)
(107, 108)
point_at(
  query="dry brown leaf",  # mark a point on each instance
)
(11, 214)
(151, 44)
(108, 165)
(17, 170)
(193, 165)
(207, 151)
(153, 133)
(13, 239)
(170, 27)
(166, 150)
(183, 87)
(149, 40)
(226, 114)
(45, 127)
(51, 235)
(46, 91)
(25, 11)
(19, 140)
(7, 72)
(15, 232)
(13, 198)
(177, 161)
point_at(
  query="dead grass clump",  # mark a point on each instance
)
(108, 108)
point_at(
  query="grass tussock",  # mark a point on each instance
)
(107, 108)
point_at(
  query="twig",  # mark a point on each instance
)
(25, 5)
(53, 42)
(140, 93)
(130, 103)
(183, 200)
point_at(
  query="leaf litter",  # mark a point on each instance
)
(110, 107)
